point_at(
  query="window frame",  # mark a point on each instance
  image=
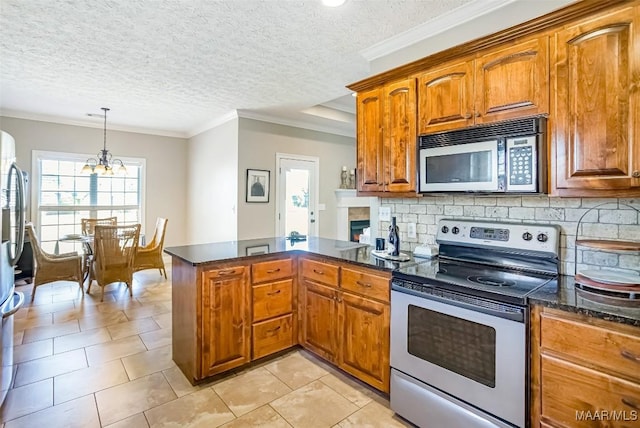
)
(35, 208)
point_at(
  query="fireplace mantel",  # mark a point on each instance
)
(347, 198)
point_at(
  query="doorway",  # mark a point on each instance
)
(296, 194)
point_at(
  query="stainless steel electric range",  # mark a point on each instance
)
(458, 324)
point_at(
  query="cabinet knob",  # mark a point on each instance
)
(468, 115)
(478, 114)
(636, 174)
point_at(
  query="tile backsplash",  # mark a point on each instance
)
(613, 220)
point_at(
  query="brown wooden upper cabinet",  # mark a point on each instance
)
(503, 83)
(386, 138)
(595, 110)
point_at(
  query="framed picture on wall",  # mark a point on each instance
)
(258, 250)
(257, 185)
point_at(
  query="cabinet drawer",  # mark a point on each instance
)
(272, 336)
(271, 270)
(320, 272)
(374, 286)
(225, 272)
(571, 391)
(270, 300)
(614, 351)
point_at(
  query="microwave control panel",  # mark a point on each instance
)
(522, 165)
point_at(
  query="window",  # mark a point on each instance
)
(62, 196)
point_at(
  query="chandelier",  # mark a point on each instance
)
(103, 163)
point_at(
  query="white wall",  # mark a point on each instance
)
(166, 163)
(212, 185)
(258, 144)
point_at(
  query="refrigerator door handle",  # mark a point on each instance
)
(21, 207)
(15, 307)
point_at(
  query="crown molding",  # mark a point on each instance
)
(213, 123)
(545, 23)
(294, 123)
(433, 27)
(87, 124)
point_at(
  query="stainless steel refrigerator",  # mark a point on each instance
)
(12, 218)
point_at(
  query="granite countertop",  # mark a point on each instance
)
(353, 252)
(569, 298)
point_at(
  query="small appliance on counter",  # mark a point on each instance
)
(426, 251)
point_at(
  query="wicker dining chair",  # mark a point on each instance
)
(114, 248)
(88, 225)
(53, 267)
(150, 256)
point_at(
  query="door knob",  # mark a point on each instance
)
(636, 174)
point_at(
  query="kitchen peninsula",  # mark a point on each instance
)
(236, 302)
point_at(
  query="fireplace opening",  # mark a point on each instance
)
(356, 227)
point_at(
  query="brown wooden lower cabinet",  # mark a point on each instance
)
(226, 315)
(585, 372)
(348, 323)
(319, 311)
(364, 342)
(225, 320)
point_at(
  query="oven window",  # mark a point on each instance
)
(458, 345)
(469, 167)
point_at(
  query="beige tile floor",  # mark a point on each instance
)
(82, 363)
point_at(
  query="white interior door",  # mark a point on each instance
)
(297, 195)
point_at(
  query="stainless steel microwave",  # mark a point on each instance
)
(507, 156)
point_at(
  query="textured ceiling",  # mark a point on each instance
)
(176, 65)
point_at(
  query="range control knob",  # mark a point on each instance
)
(527, 236)
(455, 230)
(542, 237)
(444, 229)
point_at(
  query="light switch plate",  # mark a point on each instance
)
(384, 214)
(411, 230)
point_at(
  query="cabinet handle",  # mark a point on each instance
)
(273, 330)
(226, 272)
(468, 115)
(630, 356)
(271, 293)
(364, 284)
(636, 174)
(631, 403)
(273, 270)
(319, 272)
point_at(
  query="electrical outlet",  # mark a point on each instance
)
(384, 214)
(411, 230)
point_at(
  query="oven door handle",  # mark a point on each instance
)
(516, 315)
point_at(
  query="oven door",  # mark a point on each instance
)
(475, 357)
(462, 167)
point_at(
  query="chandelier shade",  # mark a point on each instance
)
(103, 163)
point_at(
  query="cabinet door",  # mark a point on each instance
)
(445, 98)
(399, 135)
(364, 342)
(369, 142)
(319, 319)
(513, 82)
(225, 318)
(571, 394)
(595, 144)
